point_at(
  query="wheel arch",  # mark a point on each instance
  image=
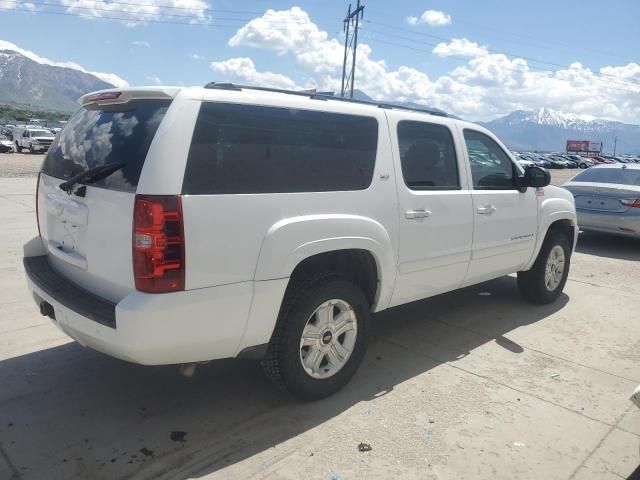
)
(301, 242)
(563, 221)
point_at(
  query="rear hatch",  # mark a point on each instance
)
(88, 231)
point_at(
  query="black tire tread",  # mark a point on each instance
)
(530, 285)
(300, 286)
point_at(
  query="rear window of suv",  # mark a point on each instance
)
(257, 149)
(99, 135)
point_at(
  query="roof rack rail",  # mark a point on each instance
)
(322, 96)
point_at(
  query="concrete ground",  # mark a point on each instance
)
(471, 384)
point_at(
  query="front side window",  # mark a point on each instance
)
(427, 156)
(491, 168)
(257, 149)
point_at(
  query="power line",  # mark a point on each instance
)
(490, 50)
(203, 22)
(159, 14)
(207, 22)
(389, 14)
(465, 60)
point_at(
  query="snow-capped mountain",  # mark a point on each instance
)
(547, 129)
(27, 83)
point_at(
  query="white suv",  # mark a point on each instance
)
(180, 225)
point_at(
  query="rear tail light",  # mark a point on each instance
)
(158, 243)
(37, 212)
(631, 202)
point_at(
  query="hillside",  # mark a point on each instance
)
(547, 129)
(25, 83)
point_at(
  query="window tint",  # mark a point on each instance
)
(254, 149)
(96, 136)
(427, 156)
(623, 176)
(491, 168)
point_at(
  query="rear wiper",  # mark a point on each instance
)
(91, 175)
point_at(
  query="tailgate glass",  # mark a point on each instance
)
(102, 134)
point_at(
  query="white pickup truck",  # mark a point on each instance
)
(181, 225)
(35, 139)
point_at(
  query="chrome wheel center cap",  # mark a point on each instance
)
(327, 337)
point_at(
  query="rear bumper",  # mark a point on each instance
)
(150, 329)
(619, 223)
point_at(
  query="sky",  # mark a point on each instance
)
(476, 59)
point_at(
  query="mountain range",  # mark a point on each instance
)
(548, 130)
(545, 129)
(28, 84)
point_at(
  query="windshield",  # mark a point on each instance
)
(110, 134)
(624, 176)
(41, 133)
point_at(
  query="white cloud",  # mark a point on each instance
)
(484, 87)
(135, 12)
(434, 18)
(112, 78)
(244, 70)
(16, 4)
(195, 56)
(141, 43)
(154, 79)
(459, 47)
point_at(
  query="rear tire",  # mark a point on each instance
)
(311, 353)
(545, 281)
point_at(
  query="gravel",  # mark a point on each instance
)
(20, 164)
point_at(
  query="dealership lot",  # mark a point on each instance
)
(471, 384)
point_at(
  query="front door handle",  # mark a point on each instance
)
(413, 214)
(486, 209)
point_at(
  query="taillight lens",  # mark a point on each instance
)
(37, 212)
(158, 243)
(631, 202)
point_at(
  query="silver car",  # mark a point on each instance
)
(608, 198)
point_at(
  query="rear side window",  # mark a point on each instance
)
(427, 156)
(255, 149)
(98, 135)
(491, 168)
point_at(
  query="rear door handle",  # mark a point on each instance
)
(413, 214)
(486, 209)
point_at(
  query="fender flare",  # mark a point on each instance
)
(290, 241)
(548, 219)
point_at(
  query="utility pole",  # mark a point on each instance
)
(615, 144)
(350, 46)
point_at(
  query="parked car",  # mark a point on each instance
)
(6, 145)
(587, 162)
(271, 224)
(538, 160)
(35, 139)
(7, 131)
(554, 162)
(565, 162)
(608, 198)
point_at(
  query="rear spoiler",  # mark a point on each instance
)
(117, 96)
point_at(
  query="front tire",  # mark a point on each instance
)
(545, 281)
(320, 337)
